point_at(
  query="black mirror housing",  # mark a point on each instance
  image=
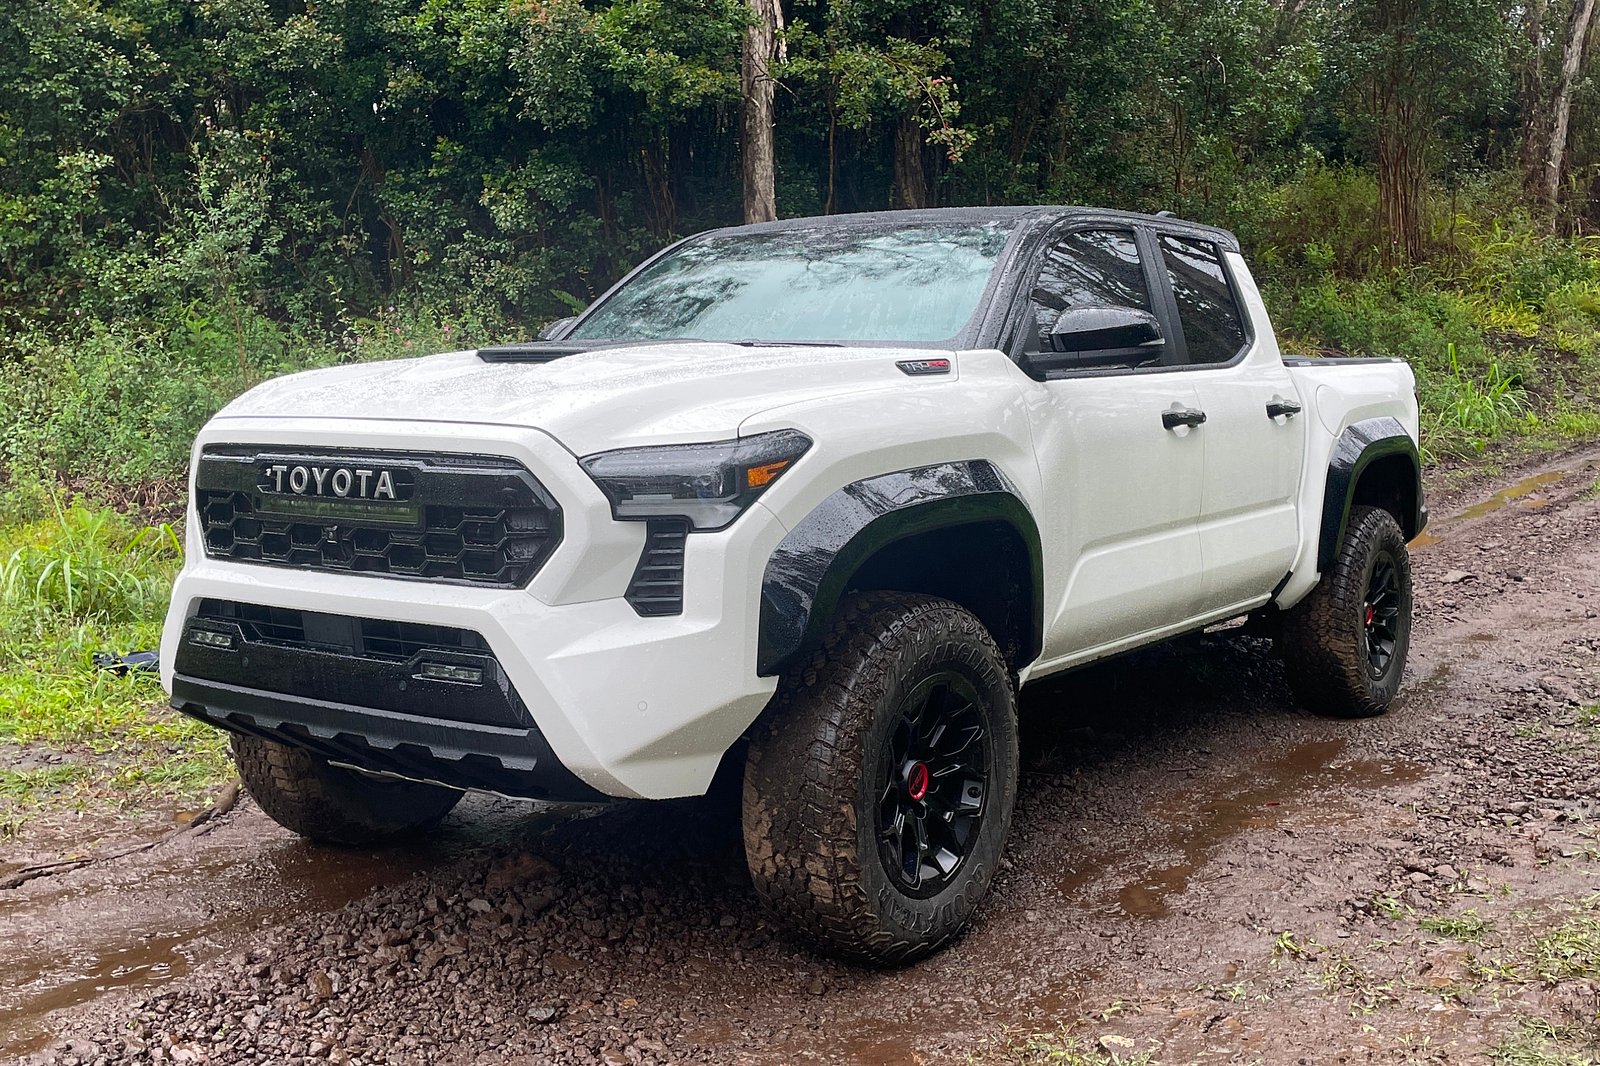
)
(1099, 336)
(1098, 329)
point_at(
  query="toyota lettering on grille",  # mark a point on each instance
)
(332, 482)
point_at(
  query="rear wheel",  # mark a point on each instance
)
(330, 804)
(1345, 644)
(878, 795)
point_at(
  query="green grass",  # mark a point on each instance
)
(1502, 328)
(1538, 1042)
(75, 580)
(1569, 952)
(1468, 927)
(26, 786)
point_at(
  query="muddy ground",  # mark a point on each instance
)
(1199, 872)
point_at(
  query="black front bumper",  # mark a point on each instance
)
(353, 691)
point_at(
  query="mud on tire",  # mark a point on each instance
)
(871, 830)
(332, 805)
(1344, 645)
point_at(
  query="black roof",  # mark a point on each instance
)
(1029, 217)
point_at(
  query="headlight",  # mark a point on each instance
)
(709, 484)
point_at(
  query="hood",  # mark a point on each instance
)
(593, 401)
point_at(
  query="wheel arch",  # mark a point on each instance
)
(1374, 463)
(955, 530)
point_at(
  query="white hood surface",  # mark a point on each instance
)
(593, 401)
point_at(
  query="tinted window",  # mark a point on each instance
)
(906, 283)
(1089, 268)
(1207, 308)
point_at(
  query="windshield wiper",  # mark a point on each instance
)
(549, 351)
(751, 343)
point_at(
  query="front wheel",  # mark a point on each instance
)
(1344, 645)
(333, 805)
(878, 794)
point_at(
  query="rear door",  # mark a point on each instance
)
(1123, 490)
(1254, 437)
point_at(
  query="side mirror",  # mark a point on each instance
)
(1086, 337)
(554, 331)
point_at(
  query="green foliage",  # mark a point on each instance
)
(1469, 926)
(194, 197)
(1539, 1042)
(79, 580)
(85, 566)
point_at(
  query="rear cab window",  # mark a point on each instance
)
(1208, 308)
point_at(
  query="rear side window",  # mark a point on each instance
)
(1089, 268)
(1208, 308)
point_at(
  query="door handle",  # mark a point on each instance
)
(1283, 409)
(1188, 416)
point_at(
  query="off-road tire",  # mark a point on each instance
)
(811, 795)
(330, 804)
(1325, 636)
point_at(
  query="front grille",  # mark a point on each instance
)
(657, 585)
(461, 519)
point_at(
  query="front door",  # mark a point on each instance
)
(1123, 480)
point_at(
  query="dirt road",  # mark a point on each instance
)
(1199, 873)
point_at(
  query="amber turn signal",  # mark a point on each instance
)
(759, 477)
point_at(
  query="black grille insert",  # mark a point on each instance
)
(657, 585)
(449, 518)
(413, 668)
(367, 638)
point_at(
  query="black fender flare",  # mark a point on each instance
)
(810, 570)
(1358, 447)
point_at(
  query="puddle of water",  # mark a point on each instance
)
(1526, 487)
(1525, 494)
(1254, 800)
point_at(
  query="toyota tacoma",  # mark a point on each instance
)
(806, 502)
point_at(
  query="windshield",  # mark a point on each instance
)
(850, 283)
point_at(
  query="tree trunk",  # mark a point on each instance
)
(1571, 60)
(761, 47)
(1402, 176)
(910, 177)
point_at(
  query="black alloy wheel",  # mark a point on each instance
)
(1345, 644)
(1381, 614)
(879, 786)
(935, 773)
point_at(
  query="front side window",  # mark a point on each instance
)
(1207, 307)
(846, 284)
(1089, 268)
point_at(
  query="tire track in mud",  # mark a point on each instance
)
(1178, 818)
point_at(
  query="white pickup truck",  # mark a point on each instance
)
(806, 502)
